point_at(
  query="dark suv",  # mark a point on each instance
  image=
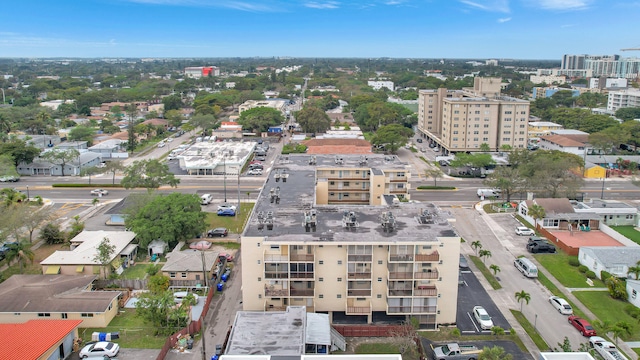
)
(219, 232)
(541, 247)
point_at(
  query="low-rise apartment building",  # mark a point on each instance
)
(359, 261)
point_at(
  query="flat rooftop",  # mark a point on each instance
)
(297, 195)
(210, 155)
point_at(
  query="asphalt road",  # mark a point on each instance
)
(496, 234)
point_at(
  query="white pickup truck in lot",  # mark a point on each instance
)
(455, 351)
(606, 349)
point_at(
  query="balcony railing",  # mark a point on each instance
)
(348, 189)
(302, 275)
(425, 309)
(392, 310)
(363, 308)
(426, 291)
(276, 275)
(398, 191)
(274, 308)
(359, 275)
(275, 292)
(344, 201)
(400, 275)
(301, 292)
(301, 257)
(357, 292)
(397, 179)
(434, 256)
(275, 258)
(431, 274)
(362, 257)
(400, 257)
(399, 293)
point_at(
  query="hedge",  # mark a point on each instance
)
(427, 187)
(71, 185)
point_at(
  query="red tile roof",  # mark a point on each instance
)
(34, 338)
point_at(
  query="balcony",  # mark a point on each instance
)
(267, 258)
(359, 275)
(398, 310)
(425, 291)
(358, 292)
(359, 257)
(301, 292)
(429, 274)
(276, 275)
(302, 275)
(400, 257)
(433, 257)
(270, 307)
(302, 257)
(354, 307)
(425, 309)
(272, 291)
(397, 179)
(399, 292)
(398, 191)
(344, 189)
(395, 275)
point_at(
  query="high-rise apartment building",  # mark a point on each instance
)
(463, 120)
(623, 98)
(359, 260)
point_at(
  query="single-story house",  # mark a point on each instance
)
(107, 148)
(41, 167)
(633, 292)
(185, 268)
(611, 212)
(54, 339)
(81, 259)
(559, 214)
(615, 260)
(56, 297)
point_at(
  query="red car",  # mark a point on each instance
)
(583, 326)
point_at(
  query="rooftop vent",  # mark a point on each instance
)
(339, 160)
(265, 219)
(426, 217)
(281, 174)
(313, 160)
(310, 220)
(363, 160)
(349, 220)
(275, 195)
(388, 221)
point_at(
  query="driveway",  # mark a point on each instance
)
(509, 346)
(470, 294)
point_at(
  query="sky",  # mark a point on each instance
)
(466, 29)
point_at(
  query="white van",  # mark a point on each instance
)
(526, 267)
(206, 199)
(489, 193)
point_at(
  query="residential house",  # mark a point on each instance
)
(187, 268)
(611, 212)
(616, 260)
(56, 297)
(559, 214)
(541, 128)
(82, 258)
(633, 292)
(40, 166)
(110, 149)
(41, 141)
(72, 145)
(38, 339)
(593, 171)
(569, 143)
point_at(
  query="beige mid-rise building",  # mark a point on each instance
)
(374, 259)
(463, 120)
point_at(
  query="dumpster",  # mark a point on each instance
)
(220, 286)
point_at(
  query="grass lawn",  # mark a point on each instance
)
(134, 333)
(528, 327)
(235, 224)
(138, 271)
(486, 272)
(608, 309)
(558, 265)
(377, 348)
(629, 232)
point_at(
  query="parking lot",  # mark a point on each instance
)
(509, 347)
(470, 294)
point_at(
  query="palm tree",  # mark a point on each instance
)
(21, 252)
(495, 268)
(537, 212)
(523, 296)
(621, 328)
(11, 196)
(494, 353)
(635, 270)
(484, 254)
(95, 201)
(603, 327)
(475, 245)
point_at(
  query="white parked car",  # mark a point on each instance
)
(99, 192)
(524, 231)
(101, 348)
(254, 172)
(226, 206)
(482, 317)
(561, 305)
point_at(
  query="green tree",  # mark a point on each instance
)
(131, 135)
(476, 245)
(149, 174)
(172, 102)
(205, 122)
(617, 288)
(159, 310)
(158, 283)
(434, 173)
(104, 253)
(495, 268)
(473, 160)
(537, 212)
(10, 196)
(565, 346)
(484, 147)
(631, 129)
(7, 166)
(505, 178)
(30, 218)
(172, 218)
(620, 329)
(82, 133)
(51, 234)
(523, 296)
(313, 120)
(494, 353)
(113, 167)
(90, 171)
(77, 227)
(628, 113)
(259, 119)
(608, 139)
(635, 270)
(19, 151)
(392, 137)
(21, 252)
(61, 157)
(484, 254)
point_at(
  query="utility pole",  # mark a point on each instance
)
(224, 165)
(202, 328)
(238, 193)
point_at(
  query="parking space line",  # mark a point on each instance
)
(473, 322)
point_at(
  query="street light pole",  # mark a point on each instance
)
(224, 165)
(28, 197)
(602, 192)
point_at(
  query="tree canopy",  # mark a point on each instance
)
(259, 119)
(171, 218)
(19, 150)
(313, 120)
(149, 174)
(392, 137)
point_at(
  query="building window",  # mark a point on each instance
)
(321, 262)
(259, 296)
(172, 275)
(274, 247)
(320, 296)
(379, 279)
(320, 279)
(379, 296)
(332, 182)
(44, 314)
(259, 279)
(339, 279)
(259, 261)
(64, 315)
(86, 315)
(184, 275)
(110, 306)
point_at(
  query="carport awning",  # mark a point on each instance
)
(80, 268)
(52, 270)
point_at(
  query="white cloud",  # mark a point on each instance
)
(504, 20)
(322, 5)
(562, 4)
(256, 6)
(488, 5)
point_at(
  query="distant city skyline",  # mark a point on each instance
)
(470, 29)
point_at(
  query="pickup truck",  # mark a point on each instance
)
(606, 349)
(456, 351)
